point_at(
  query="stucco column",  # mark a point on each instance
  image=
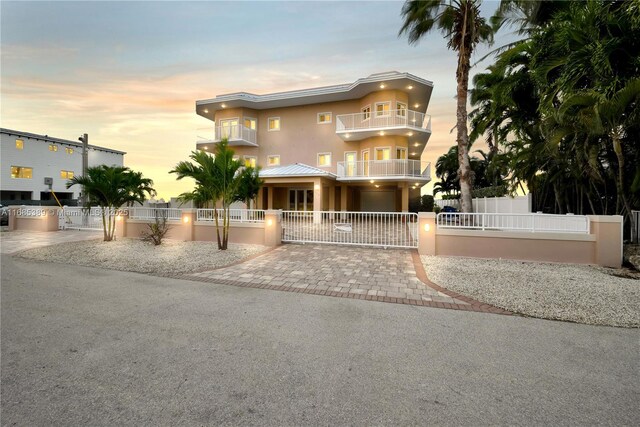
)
(12, 218)
(269, 198)
(121, 224)
(317, 201)
(426, 233)
(260, 201)
(332, 197)
(273, 228)
(608, 233)
(188, 225)
(405, 197)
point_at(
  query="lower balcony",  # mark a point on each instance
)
(380, 170)
(237, 135)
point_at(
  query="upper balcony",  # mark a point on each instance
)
(357, 126)
(381, 170)
(238, 135)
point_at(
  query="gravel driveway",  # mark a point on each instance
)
(170, 258)
(577, 293)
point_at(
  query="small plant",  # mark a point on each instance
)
(157, 230)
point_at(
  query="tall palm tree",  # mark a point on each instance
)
(110, 188)
(464, 28)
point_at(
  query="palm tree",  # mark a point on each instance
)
(462, 25)
(250, 185)
(110, 188)
(220, 181)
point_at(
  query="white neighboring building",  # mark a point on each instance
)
(27, 159)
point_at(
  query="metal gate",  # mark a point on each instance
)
(380, 229)
(77, 218)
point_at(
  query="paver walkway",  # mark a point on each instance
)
(355, 272)
(16, 241)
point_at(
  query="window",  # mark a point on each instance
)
(66, 174)
(401, 153)
(19, 144)
(401, 109)
(324, 118)
(273, 160)
(21, 172)
(53, 147)
(383, 153)
(250, 123)
(250, 161)
(324, 159)
(382, 109)
(69, 150)
(366, 112)
(274, 123)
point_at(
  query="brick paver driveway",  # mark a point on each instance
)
(16, 241)
(355, 272)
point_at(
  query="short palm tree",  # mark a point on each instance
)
(462, 25)
(110, 188)
(220, 181)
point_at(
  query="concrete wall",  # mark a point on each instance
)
(602, 246)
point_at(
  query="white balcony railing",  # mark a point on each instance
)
(393, 119)
(384, 168)
(236, 133)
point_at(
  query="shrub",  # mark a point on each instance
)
(437, 209)
(426, 203)
(157, 230)
(450, 196)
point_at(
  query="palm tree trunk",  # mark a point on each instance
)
(464, 165)
(104, 225)
(215, 216)
(622, 197)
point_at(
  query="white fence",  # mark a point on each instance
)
(534, 223)
(382, 229)
(235, 215)
(77, 218)
(517, 204)
(171, 214)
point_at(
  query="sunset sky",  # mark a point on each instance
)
(129, 73)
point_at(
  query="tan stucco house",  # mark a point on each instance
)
(349, 147)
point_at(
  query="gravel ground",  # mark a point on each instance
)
(577, 293)
(170, 258)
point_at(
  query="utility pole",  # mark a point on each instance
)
(85, 164)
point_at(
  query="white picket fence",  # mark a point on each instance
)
(235, 215)
(77, 218)
(143, 213)
(533, 222)
(517, 204)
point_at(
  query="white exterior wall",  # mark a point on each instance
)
(518, 204)
(36, 155)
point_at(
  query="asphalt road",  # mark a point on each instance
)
(89, 346)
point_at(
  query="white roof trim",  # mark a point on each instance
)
(294, 170)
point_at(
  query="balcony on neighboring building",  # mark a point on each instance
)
(357, 126)
(237, 134)
(381, 170)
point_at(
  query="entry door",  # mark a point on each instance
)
(229, 128)
(300, 199)
(350, 163)
(365, 162)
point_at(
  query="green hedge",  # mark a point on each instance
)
(497, 191)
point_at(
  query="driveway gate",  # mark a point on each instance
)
(77, 218)
(380, 229)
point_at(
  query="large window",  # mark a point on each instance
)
(382, 109)
(401, 109)
(250, 161)
(324, 118)
(383, 153)
(250, 123)
(401, 153)
(324, 159)
(273, 160)
(21, 172)
(274, 123)
(366, 112)
(19, 144)
(66, 174)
